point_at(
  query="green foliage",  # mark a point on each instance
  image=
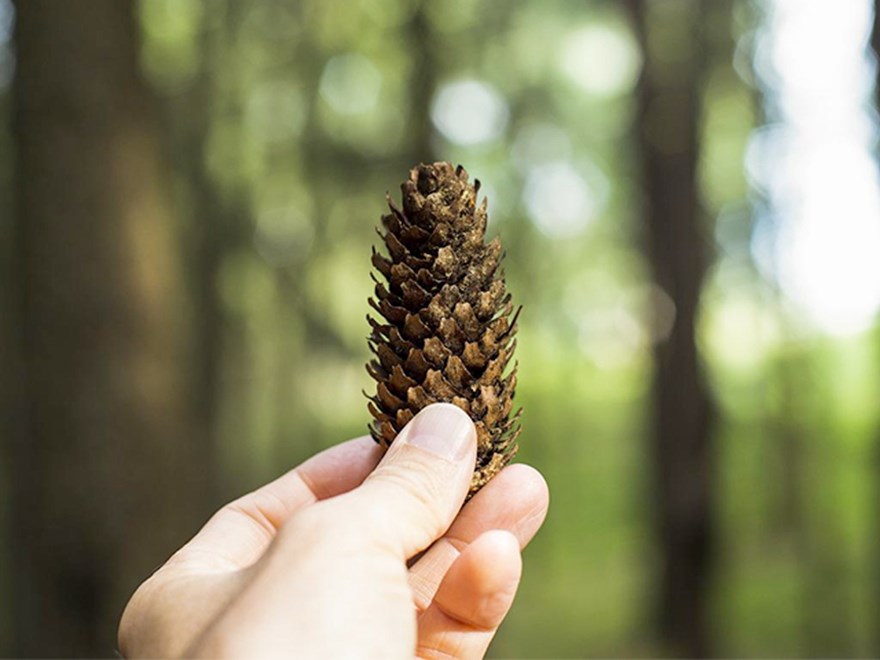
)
(307, 112)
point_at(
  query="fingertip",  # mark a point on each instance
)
(496, 556)
(479, 587)
(516, 500)
(530, 483)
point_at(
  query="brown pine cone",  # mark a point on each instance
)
(448, 333)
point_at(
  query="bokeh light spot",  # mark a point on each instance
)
(350, 84)
(560, 201)
(469, 112)
(821, 237)
(601, 60)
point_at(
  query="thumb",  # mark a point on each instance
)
(412, 497)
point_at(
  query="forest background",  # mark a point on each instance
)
(688, 197)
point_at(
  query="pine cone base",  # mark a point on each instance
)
(447, 332)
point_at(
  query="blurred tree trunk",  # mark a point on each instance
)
(212, 234)
(423, 82)
(208, 248)
(107, 477)
(668, 135)
(8, 364)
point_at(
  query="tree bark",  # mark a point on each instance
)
(106, 483)
(668, 101)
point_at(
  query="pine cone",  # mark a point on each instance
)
(448, 334)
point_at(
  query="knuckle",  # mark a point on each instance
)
(413, 487)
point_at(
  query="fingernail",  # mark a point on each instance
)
(444, 430)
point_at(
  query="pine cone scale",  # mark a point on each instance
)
(448, 333)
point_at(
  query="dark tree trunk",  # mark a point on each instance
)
(8, 358)
(423, 82)
(668, 135)
(107, 478)
(209, 237)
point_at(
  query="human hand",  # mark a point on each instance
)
(315, 564)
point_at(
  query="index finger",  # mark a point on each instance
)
(238, 534)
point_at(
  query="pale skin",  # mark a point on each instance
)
(326, 560)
